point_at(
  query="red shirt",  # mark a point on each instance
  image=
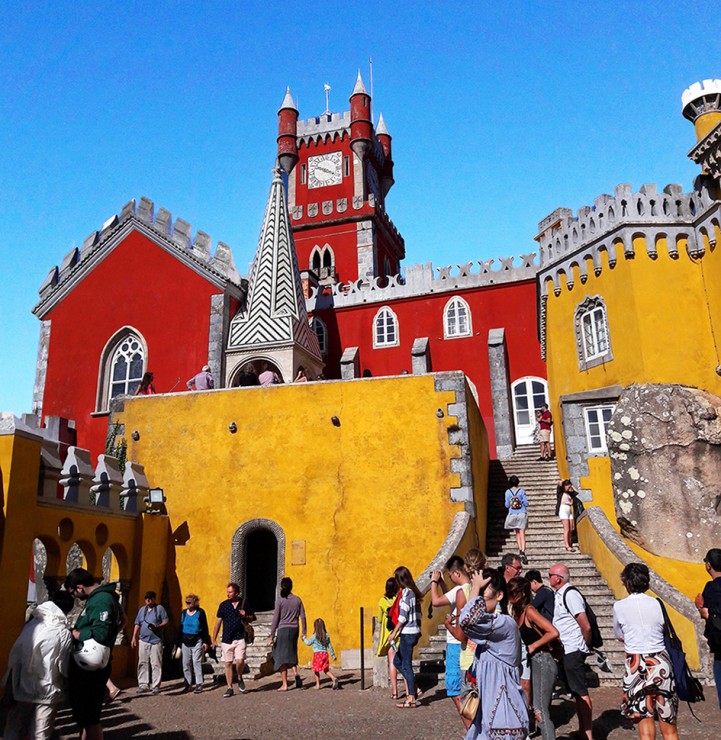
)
(546, 420)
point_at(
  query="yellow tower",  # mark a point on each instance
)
(702, 106)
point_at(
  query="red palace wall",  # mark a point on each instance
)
(139, 285)
(510, 306)
(342, 239)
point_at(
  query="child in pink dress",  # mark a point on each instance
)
(321, 644)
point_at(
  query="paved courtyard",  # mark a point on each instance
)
(307, 713)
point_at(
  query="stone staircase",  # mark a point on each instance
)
(544, 547)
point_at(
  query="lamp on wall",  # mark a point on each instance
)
(155, 501)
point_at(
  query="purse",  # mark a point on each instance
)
(688, 687)
(469, 704)
(249, 633)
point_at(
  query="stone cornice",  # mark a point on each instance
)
(707, 153)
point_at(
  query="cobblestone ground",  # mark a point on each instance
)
(349, 713)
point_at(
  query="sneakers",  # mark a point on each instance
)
(228, 692)
(241, 686)
(155, 691)
(142, 691)
(524, 559)
(197, 689)
(298, 682)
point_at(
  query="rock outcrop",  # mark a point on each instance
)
(665, 447)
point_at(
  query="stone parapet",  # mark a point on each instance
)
(420, 280)
(611, 225)
(176, 236)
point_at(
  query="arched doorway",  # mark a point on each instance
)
(247, 373)
(257, 561)
(528, 394)
(261, 569)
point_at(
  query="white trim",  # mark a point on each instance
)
(388, 313)
(602, 448)
(457, 302)
(522, 435)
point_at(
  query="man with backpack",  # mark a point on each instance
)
(709, 607)
(572, 622)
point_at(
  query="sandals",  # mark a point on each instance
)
(407, 704)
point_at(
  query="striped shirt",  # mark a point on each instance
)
(410, 613)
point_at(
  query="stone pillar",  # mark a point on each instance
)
(77, 476)
(108, 483)
(350, 363)
(41, 369)
(421, 356)
(217, 336)
(366, 250)
(501, 394)
(50, 467)
(135, 486)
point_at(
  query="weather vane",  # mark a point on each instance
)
(326, 87)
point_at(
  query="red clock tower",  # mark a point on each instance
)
(339, 171)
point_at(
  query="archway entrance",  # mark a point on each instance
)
(261, 569)
(257, 561)
(528, 394)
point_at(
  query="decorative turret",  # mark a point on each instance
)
(702, 106)
(287, 134)
(361, 126)
(385, 139)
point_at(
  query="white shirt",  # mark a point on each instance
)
(564, 620)
(451, 596)
(638, 620)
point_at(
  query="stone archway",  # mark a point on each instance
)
(252, 564)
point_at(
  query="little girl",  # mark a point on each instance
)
(320, 642)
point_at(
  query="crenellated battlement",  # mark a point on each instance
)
(311, 128)
(686, 222)
(176, 236)
(421, 279)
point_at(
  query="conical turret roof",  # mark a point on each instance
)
(381, 127)
(274, 314)
(359, 88)
(287, 101)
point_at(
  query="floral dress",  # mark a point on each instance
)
(502, 713)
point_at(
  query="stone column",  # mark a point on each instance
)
(350, 363)
(421, 356)
(501, 394)
(217, 336)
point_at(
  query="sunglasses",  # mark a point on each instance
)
(189, 602)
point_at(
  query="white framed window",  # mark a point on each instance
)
(593, 341)
(385, 329)
(321, 331)
(122, 364)
(457, 319)
(597, 419)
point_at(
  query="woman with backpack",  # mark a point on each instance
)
(565, 497)
(387, 624)
(517, 504)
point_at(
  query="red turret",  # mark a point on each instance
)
(287, 133)
(361, 127)
(385, 139)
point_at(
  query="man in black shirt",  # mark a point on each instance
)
(232, 613)
(709, 607)
(544, 598)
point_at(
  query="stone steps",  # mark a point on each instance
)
(544, 548)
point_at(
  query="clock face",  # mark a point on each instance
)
(325, 169)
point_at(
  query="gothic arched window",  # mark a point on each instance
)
(122, 365)
(457, 319)
(319, 327)
(385, 329)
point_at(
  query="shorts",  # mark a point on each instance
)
(453, 669)
(574, 667)
(545, 435)
(564, 512)
(321, 663)
(232, 651)
(525, 663)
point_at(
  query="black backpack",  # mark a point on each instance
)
(596, 638)
(712, 632)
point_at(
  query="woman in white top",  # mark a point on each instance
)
(649, 691)
(564, 510)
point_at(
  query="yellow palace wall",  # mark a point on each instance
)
(361, 498)
(662, 314)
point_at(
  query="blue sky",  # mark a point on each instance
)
(499, 114)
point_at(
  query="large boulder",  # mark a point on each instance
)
(664, 442)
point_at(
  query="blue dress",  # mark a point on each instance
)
(502, 713)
